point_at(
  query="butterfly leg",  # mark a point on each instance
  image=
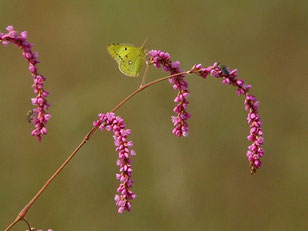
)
(144, 73)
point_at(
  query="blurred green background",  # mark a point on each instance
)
(201, 182)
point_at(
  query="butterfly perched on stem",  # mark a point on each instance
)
(130, 58)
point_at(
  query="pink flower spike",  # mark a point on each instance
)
(40, 116)
(111, 122)
(255, 152)
(159, 58)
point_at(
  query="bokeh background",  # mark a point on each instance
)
(201, 182)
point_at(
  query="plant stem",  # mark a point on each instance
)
(143, 87)
(29, 226)
(25, 210)
(145, 73)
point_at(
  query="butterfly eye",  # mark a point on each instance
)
(125, 48)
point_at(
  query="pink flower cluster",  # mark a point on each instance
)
(111, 122)
(162, 59)
(33, 229)
(40, 117)
(255, 152)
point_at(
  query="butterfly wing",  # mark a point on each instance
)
(129, 58)
(132, 63)
(115, 50)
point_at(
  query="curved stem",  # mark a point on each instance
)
(145, 86)
(25, 210)
(28, 224)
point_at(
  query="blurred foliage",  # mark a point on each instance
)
(201, 182)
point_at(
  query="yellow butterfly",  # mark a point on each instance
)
(129, 57)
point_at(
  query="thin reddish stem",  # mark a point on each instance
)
(145, 86)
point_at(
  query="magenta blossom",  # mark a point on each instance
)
(40, 116)
(111, 122)
(255, 152)
(33, 229)
(162, 59)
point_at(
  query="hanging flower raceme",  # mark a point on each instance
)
(162, 59)
(40, 116)
(255, 152)
(111, 122)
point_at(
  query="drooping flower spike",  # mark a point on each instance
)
(162, 59)
(255, 151)
(40, 117)
(110, 122)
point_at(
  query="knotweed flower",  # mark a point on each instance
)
(162, 59)
(40, 116)
(111, 122)
(255, 152)
(33, 229)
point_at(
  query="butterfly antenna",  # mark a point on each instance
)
(146, 39)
